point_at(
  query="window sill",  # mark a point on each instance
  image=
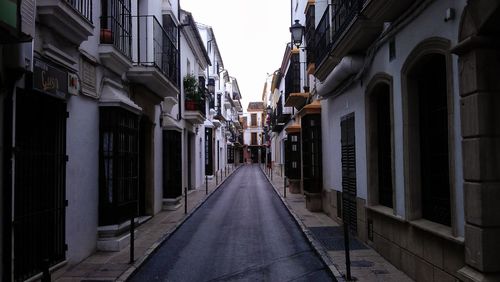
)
(437, 229)
(383, 210)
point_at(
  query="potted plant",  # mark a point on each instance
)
(191, 92)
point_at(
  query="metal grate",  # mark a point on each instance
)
(332, 238)
(39, 183)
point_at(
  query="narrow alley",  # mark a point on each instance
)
(241, 232)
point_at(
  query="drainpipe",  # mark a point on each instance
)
(348, 66)
(179, 79)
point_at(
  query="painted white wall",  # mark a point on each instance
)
(332, 110)
(82, 174)
(158, 163)
(427, 25)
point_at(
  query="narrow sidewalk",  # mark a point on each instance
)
(326, 236)
(114, 266)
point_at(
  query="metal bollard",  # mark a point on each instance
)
(46, 271)
(132, 229)
(284, 188)
(346, 247)
(206, 184)
(185, 200)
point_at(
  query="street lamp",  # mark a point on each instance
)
(211, 85)
(297, 31)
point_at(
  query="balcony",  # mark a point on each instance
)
(116, 36)
(72, 19)
(351, 28)
(154, 57)
(195, 111)
(275, 125)
(283, 114)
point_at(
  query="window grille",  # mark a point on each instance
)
(118, 163)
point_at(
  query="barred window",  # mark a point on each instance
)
(118, 156)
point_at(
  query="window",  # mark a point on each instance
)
(379, 140)
(118, 165)
(170, 28)
(292, 155)
(253, 138)
(428, 114)
(253, 120)
(433, 119)
(392, 49)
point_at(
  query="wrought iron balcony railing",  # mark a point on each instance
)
(322, 37)
(343, 13)
(155, 47)
(195, 105)
(329, 28)
(117, 33)
(84, 7)
(292, 77)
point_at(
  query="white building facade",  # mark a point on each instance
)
(95, 103)
(390, 81)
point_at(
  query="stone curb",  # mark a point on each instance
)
(318, 247)
(151, 250)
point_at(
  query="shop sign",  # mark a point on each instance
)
(73, 84)
(50, 79)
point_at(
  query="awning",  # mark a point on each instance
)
(113, 95)
(312, 108)
(294, 128)
(208, 124)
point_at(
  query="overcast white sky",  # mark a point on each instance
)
(251, 35)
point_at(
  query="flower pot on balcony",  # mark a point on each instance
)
(106, 36)
(190, 105)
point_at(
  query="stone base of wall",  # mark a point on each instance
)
(313, 202)
(421, 254)
(294, 186)
(171, 204)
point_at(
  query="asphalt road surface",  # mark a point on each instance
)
(241, 233)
